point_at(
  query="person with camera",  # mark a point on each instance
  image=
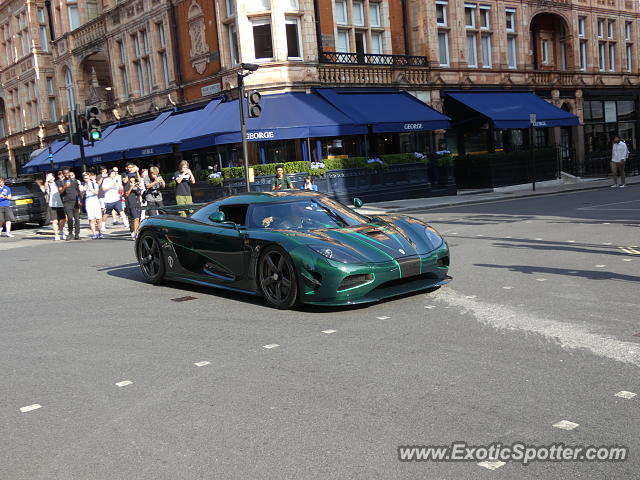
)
(111, 188)
(69, 189)
(92, 204)
(56, 207)
(152, 184)
(184, 178)
(133, 187)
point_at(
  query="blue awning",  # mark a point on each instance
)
(42, 159)
(385, 110)
(172, 130)
(512, 109)
(284, 116)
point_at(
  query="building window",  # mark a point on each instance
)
(258, 5)
(627, 31)
(512, 52)
(600, 28)
(601, 56)
(374, 14)
(292, 5)
(74, 17)
(231, 8)
(142, 62)
(358, 13)
(68, 86)
(581, 26)
(42, 28)
(545, 52)
(376, 43)
(612, 57)
(611, 27)
(441, 14)
(629, 57)
(469, 15)
(472, 60)
(162, 53)
(361, 44)
(443, 48)
(485, 18)
(583, 55)
(262, 42)
(122, 67)
(342, 45)
(510, 20)
(233, 44)
(486, 51)
(340, 11)
(294, 42)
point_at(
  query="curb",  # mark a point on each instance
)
(493, 200)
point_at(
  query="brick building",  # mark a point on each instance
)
(135, 58)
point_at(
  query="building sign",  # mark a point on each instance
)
(147, 151)
(539, 124)
(610, 112)
(413, 126)
(211, 89)
(260, 135)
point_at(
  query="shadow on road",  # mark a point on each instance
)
(588, 274)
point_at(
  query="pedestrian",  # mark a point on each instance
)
(104, 173)
(57, 216)
(112, 200)
(6, 214)
(152, 184)
(184, 179)
(619, 155)
(280, 181)
(120, 190)
(132, 194)
(92, 204)
(69, 189)
(213, 171)
(308, 184)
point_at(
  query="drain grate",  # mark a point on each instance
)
(183, 299)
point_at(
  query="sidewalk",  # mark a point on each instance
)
(491, 195)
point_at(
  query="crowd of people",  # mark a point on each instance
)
(126, 197)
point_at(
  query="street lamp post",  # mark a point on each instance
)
(250, 67)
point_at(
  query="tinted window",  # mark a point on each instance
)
(24, 189)
(303, 214)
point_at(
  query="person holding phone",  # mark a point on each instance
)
(69, 189)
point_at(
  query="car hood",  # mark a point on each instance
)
(384, 238)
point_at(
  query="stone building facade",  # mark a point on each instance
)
(134, 58)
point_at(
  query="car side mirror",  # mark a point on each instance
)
(357, 202)
(217, 217)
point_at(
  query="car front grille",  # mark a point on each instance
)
(353, 281)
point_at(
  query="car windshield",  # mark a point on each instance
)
(303, 214)
(18, 189)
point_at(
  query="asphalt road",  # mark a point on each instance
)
(537, 327)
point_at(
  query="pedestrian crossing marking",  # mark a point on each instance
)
(124, 383)
(626, 395)
(202, 364)
(30, 408)
(565, 425)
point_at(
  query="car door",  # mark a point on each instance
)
(224, 251)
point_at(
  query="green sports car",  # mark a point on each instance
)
(293, 247)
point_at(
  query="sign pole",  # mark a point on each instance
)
(243, 129)
(532, 121)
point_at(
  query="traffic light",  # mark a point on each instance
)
(253, 98)
(94, 128)
(74, 128)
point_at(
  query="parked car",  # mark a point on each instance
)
(27, 201)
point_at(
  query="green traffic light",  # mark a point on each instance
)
(95, 135)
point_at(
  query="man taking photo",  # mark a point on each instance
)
(69, 189)
(280, 181)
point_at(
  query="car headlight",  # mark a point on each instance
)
(434, 237)
(335, 253)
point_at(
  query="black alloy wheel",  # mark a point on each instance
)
(277, 278)
(150, 258)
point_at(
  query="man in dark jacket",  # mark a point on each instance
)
(69, 189)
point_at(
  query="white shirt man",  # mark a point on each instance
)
(619, 154)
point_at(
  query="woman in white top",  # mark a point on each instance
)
(56, 208)
(92, 204)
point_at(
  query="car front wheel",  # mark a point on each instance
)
(150, 258)
(278, 279)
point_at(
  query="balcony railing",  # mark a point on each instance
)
(351, 58)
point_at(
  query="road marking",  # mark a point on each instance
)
(631, 250)
(625, 394)
(507, 288)
(595, 207)
(509, 236)
(626, 259)
(567, 335)
(124, 383)
(572, 271)
(565, 425)
(471, 296)
(202, 364)
(429, 306)
(453, 233)
(480, 235)
(270, 346)
(608, 243)
(329, 332)
(383, 318)
(571, 241)
(492, 464)
(606, 223)
(30, 408)
(538, 239)
(541, 279)
(600, 266)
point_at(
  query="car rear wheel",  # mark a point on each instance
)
(277, 278)
(150, 258)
